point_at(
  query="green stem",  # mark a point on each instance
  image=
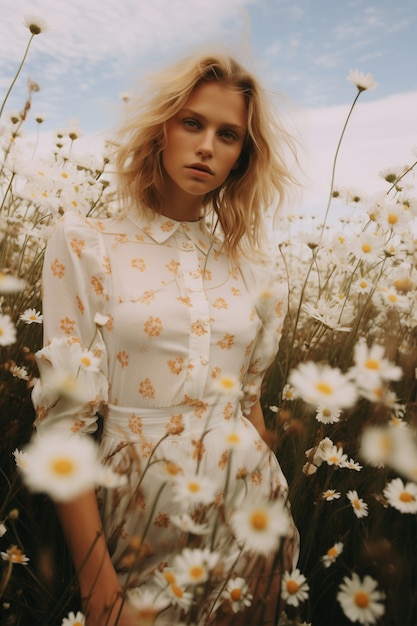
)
(16, 75)
(334, 164)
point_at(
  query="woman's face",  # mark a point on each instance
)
(204, 139)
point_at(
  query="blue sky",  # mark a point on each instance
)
(303, 49)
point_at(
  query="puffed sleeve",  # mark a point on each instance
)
(73, 385)
(266, 282)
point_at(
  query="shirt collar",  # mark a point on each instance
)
(161, 228)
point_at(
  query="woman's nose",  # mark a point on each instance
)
(205, 147)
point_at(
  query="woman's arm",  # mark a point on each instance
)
(100, 588)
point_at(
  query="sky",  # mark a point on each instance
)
(302, 50)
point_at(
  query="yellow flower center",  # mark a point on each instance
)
(356, 503)
(233, 438)
(406, 496)
(177, 591)
(227, 383)
(196, 572)
(292, 586)
(361, 599)
(236, 594)
(77, 624)
(332, 551)
(363, 284)
(259, 520)
(194, 487)
(392, 218)
(85, 360)
(324, 388)
(333, 459)
(392, 297)
(63, 467)
(372, 364)
(366, 248)
(326, 413)
(169, 577)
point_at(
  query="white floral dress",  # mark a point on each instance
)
(176, 318)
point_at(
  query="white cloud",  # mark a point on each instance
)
(379, 135)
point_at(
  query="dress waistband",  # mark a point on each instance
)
(137, 424)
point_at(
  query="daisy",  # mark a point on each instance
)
(360, 599)
(392, 298)
(370, 365)
(237, 434)
(31, 316)
(237, 594)
(335, 456)
(331, 494)
(19, 372)
(20, 458)
(193, 566)
(167, 580)
(109, 478)
(73, 619)
(260, 525)
(147, 602)
(294, 587)
(10, 284)
(332, 554)
(369, 247)
(353, 465)
(35, 24)
(63, 467)
(360, 508)
(89, 362)
(191, 488)
(14, 555)
(318, 454)
(177, 595)
(326, 415)
(227, 385)
(186, 523)
(361, 80)
(322, 385)
(288, 394)
(7, 330)
(377, 445)
(402, 497)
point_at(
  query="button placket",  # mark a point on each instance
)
(200, 331)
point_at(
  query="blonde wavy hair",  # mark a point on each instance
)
(261, 182)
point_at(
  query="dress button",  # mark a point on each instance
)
(204, 360)
(187, 246)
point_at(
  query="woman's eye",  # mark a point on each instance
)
(229, 135)
(190, 123)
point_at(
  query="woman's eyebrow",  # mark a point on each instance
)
(203, 118)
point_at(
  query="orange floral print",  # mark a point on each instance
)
(147, 297)
(77, 246)
(235, 291)
(153, 326)
(123, 358)
(67, 325)
(223, 460)
(166, 227)
(186, 300)
(199, 449)
(220, 303)
(200, 407)
(135, 424)
(176, 365)
(175, 425)
(138, 264)
(57, 269)
(173, 267)
(146, 389)
(226, 343)
(80, 305)
(198, 328)
(97, 285)
(107, 266)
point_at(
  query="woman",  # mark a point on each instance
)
(183, 313)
